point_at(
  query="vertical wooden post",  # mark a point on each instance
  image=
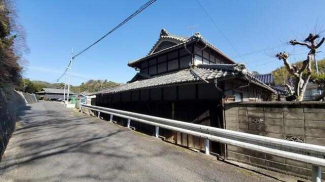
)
(98, 114)
(111, 118)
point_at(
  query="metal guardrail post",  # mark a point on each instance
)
(157, 132)
(111, 118)
(98, 115)
(207, 146)
(129, 123)
(317, 174)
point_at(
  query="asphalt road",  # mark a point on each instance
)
(53, 143)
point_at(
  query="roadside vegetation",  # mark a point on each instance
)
(282, 76)
(90, 86)
(12, 45)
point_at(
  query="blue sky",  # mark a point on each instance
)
(55, 27)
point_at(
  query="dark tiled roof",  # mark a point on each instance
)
(164, 34)
(182, 41)
(195, 74)
(266, 78)
(280, 90)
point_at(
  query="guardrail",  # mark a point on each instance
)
(308, 153)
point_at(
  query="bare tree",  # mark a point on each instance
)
(301, 74)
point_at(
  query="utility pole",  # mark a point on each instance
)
(70, 67)
(65, 82)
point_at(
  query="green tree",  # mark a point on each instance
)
(282, 76)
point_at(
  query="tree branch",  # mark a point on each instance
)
(294, 42)
(284, 56)
(320, 43)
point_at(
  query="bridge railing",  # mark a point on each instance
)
(308, 153)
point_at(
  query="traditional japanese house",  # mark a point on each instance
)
(184, 78)
(268, 79)
(53, 94)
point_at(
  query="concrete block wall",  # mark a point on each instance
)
(294, 121)
(30, 98)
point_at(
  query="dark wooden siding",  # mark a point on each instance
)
(194, 103)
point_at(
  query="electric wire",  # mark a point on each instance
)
(65, 71)
(261, 50)
(214, 23)
(143, 7)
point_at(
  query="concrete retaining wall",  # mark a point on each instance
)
(10, 102)
(294, 121)
(30, 98)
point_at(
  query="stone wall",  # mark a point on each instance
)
(294, 121)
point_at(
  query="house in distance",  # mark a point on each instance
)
(187, 79)
(53, 94)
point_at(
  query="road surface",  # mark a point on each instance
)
(53, 143)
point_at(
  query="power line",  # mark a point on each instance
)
(273, 60)
(143, 7)
(65, 71)
(262, 50)
(118, 26)
(214, 23)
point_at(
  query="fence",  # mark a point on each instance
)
(302, 122)
(308, 153)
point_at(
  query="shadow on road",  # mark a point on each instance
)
(48, 138)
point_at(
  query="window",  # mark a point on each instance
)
(162, 59)
(144, 64)
(206, 54)
(144, 70)
(218, 60)
(153, 70)
(197, 60)
(185, 61)
(206, 61)
(212, 59)
(152, 62)
(173, 55)
(162, 67)
(198, 51)
(184, 52)
(172, 65)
